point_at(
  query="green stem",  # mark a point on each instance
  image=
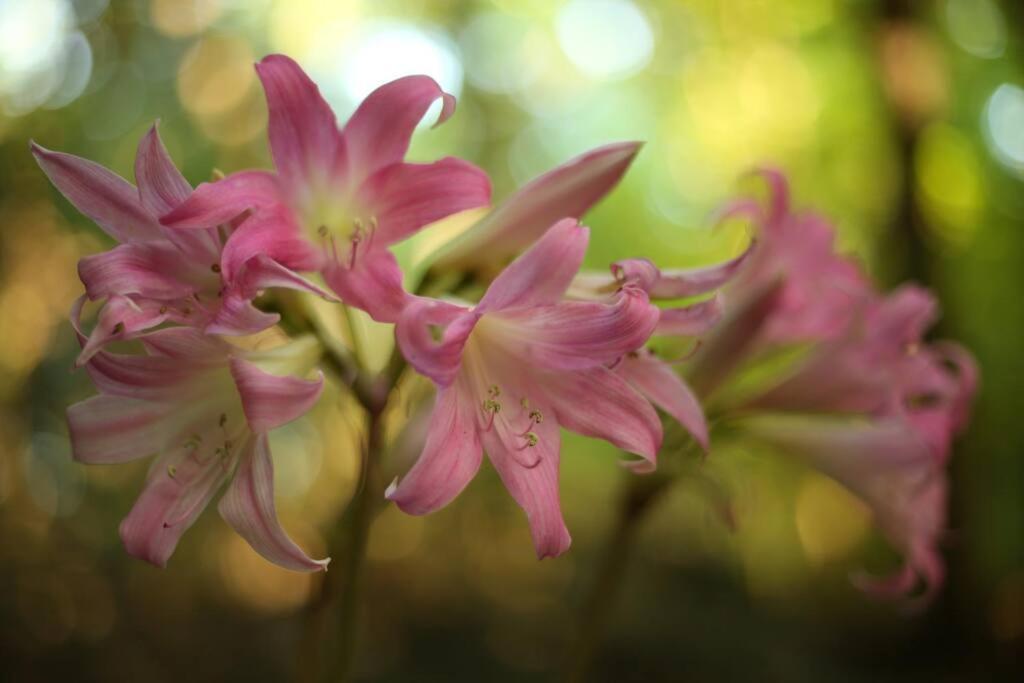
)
(599, 601)
(353, 334)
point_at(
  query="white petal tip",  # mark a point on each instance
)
(389, 492)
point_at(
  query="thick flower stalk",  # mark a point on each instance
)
(513, 369)
(204, 407)
(339, 198)
(158, 275)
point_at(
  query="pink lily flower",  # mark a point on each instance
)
(205, 408)
(568, 190)
(158, 275)
(339, 198)
(513, 369)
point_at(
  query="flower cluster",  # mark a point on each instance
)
(208, 373)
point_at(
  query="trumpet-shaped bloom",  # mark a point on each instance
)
(513, 369)
(339, 198)
(204, 407)
(159, 275)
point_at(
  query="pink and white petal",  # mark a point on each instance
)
(262, 272)
(238, 317)
(115, 429)
(542, 273)
(683, 282)
(212, 204)
(579, 334)
(120, 318)
(656, 380)
(178, 489)
(248, 506)
(304, 138)
(111, 201)
(531, 476)
(161, 185)
(690, 321)
(638, 271)
(271, 401)
(569, 190)
(438, 360)
(371, 282)
(450, 459)
(271, 233)
(599, 403)
(406, 197)
(150, 269)
(379, 131)
(187, 344)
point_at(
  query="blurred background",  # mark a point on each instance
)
(902, 120)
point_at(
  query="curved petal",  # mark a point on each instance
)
(567, 190)
(676, 283)
(238, 317)
(406, 197)
(379, 131)
(111, 201)
(599, 403)
(269, 400)
(371, 282)
(115, 429)
(248, 506)
(579, 334)
(690, 321)
(212, 204)
(179, 487)
(543, 272)
(439, 361)
(656, 380)
(533, 485)
(161, 185)
(120, 318)
(304, 138)
(262, 272)
(450, 457)
(273, 234)
(150, 269)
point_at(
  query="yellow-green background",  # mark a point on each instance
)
(903, 121)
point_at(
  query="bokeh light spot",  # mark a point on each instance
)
(605, 39)
(949, 182)
(215, 75)
(977, 26)
(181, 18)
(1004, 125)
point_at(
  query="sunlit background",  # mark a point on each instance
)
(904, 121)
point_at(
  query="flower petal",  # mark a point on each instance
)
(680, 282)
(450, 457)
(406, 197)
(601, 404)
(115, 429)
(120, 318)
(379, 131)
(439, 361)
(656, 380)
(271, 401)
(542, 273)
(101, 195)
(690, 321)
(304, 138)
(161, 185)
(262, 272)
(248, 506)
(579, 334)
(371, 282)
(271, 233)
(212, 204)
(151, 269)
(238, 317)
(569, 190)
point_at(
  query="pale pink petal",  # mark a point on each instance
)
(114, 429)
(406, 197)
(690, 321)
(101, 195)
(371, 282)
(599, 403)
(238, 317)
(248, 506)
(304, 138)
(271, 233)
(542, 273)
(270, 400)
(680, 282)
(450, 457)
(151, 269)
(187, 344)
(179, 487)
(379, 131)
(120, 318)
(579, 334)
(531, 476)
(569, 190)
(656, 380)
(262, 272)
(438, 360)
(212, 204)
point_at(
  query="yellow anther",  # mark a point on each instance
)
(525, 403)
(118, 328)
(492, 406)
(494, 391)
(215, 267)
(531, 439)
(172, 471)
(322, 231)
(536, 416)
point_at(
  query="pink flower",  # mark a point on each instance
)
(339, 198)
(513, 369)
(205, 408)
(158, 275)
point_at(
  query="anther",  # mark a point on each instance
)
(536, 416)
(322, 231)
(163, 309)
(493, 408)
(172, 471)
(215, 267)
(494, 391)
(223, 419)
(525, 403)
(118, 328)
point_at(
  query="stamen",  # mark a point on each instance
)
(536, 417)
(322, 231)
(172, 471)
(118, 328)
(493, 407)
(163, 310)
(215, 267)
(494, 391)
(525, 403)
(518, 455)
